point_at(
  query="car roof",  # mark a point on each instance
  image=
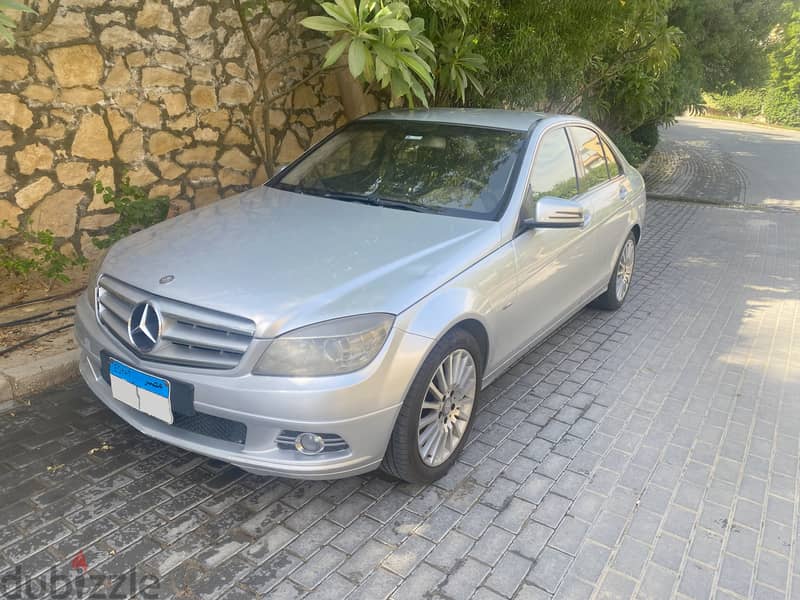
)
(482, 117)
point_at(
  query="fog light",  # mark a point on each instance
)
(309, 443)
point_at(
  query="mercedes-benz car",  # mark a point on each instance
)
(346, 315)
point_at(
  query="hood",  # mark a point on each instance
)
(286, 260)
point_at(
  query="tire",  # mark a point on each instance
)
(403, 458)
(612, 299)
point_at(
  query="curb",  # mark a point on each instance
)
(714, 203)
(17, 383)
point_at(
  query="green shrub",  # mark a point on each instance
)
(782, 107)
(45, 258)
(646, 135)
(745, 103)
(635, 152)
(135, 208)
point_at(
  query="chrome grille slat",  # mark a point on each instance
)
(195, 357)
(206, 318)
(116, 325)
(117, 306)
(190, 335)
(205, 338)
(128, 293)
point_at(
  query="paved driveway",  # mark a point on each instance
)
(651, 452)
(728, 163)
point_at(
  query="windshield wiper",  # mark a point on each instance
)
(370, 199)
(412, 206)
(299, 189)
(375, 200)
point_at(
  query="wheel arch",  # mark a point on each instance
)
(637, 232)
(477, 330)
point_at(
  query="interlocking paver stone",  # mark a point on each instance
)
(508, 574)
(645, 453)
(550, 567)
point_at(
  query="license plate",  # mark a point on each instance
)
(141, 391)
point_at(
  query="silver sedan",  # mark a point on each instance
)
(346, 315)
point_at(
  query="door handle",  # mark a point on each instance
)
(623, 192)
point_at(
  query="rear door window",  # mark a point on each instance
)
(614, 168)
(591, 156)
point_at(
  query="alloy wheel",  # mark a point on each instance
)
(625, 269)
(447, 407)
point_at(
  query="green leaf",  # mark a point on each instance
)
(322, 24)
(419, 92)
(334, 52)
(404, 42)
(400, 10)
(475, 83)
(400, 86)
(381, 70)
(12, 5)
(337, 12)
(349, 6)
(356, 58)
(364, 8)
(394, 24)
(420, 68)
(383, 13)
(385, 54)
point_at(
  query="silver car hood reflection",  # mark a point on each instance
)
(286, 260)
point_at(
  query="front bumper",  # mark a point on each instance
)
(359, 407)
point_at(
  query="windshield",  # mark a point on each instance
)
(450, 169)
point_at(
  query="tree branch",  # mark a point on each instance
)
(43, 24)
(293, 55)
(266, 159)
(614, 67)
(277, 20)
(306, 79)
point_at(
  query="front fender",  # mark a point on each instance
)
(441, 311)
(478, 294)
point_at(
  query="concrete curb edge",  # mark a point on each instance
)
(17, 383)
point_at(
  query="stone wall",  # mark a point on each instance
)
(159, 89)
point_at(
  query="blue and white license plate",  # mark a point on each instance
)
(140, 390)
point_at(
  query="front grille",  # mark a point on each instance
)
(333, 442)
(215, 427)
(190, 335)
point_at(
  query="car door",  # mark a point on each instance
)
(552, 264)
(603, 188)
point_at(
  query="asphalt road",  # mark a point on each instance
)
(729, 162)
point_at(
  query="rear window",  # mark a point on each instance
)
(444, 168)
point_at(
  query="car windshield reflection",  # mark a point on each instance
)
(431, 167)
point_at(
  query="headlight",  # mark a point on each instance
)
(329, 348)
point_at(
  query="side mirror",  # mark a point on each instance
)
(556, 213)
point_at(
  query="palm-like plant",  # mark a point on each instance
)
(383, 44)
